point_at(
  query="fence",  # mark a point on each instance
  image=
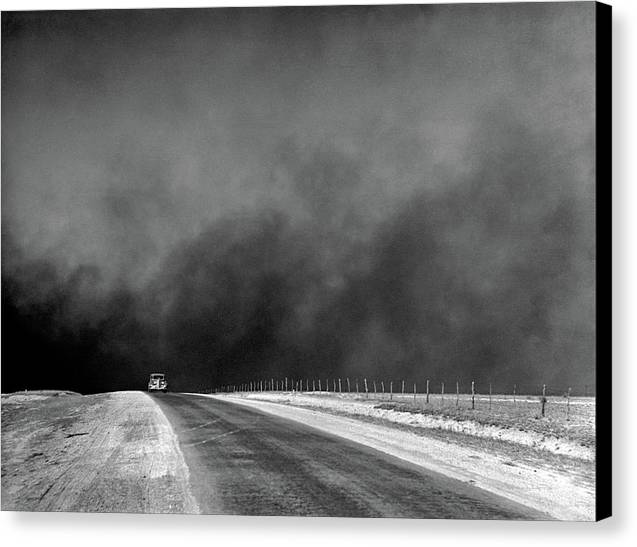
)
(459, 394)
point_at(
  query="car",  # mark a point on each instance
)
(158, 382)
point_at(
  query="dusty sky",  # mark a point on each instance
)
(365, 191)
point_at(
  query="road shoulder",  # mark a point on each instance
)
(112, 452)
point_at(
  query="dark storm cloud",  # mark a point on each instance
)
(224, 194)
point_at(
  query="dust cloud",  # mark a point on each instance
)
(233, 194)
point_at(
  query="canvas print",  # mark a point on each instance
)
(303, 261)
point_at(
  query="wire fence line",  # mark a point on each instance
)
(474, 395)
(368, 386)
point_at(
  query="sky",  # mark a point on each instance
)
(226, 195)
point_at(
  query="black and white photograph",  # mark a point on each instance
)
(312, 261)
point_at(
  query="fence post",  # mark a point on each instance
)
(515, 386)
(403, 388)
(473, 395)
(489, 395)
(427, 400)
(543, 398)
(339, 386)
(414, 392)
(457, 393)
(313, 385)
(382, 387)
(366, 390)
(374, 387)
(356, 385)
(348, 386)
(391, 390)
(442, 392)
(568, 404)
(334, 385)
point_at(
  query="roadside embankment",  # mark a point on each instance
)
(515, 423)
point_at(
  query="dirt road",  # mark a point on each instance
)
(178, 453)
(561, 486)
(243, 461)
